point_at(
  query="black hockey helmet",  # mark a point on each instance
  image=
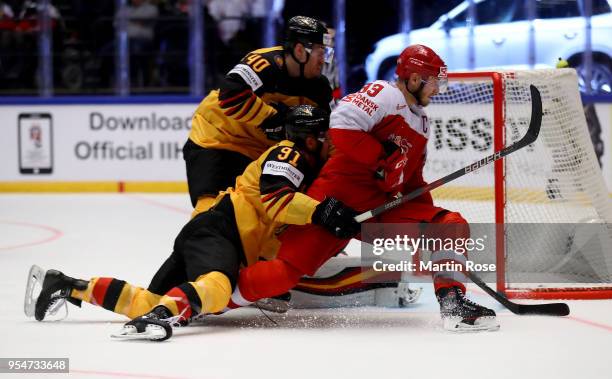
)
(305, 120)
(305, 30)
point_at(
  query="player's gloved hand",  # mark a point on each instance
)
(337, 218)
(274, 126)
(389, 172)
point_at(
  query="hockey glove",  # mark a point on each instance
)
(337, 218)
(274, 126)
(391, 168)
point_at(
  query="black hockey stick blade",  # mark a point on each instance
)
(552, 309)
(530, 136)
(535, 122)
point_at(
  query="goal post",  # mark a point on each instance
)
(549, 203)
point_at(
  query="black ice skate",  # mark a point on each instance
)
(54, 287)
(460, 314)
(155, 326)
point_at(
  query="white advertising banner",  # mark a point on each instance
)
(459, 136)
(141, 142)
(463, 134)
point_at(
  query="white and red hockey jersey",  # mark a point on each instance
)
(358, 126)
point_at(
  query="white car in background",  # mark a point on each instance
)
(501, 39)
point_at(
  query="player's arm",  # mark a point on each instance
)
(284, 173)
(357, 145)
(237, 92)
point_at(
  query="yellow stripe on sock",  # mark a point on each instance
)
(214, 290)
(141, 302)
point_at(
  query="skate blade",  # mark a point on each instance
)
(152, 333)
(36, 276)
(483, 324)
(201, 317)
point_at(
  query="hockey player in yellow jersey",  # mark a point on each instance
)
(201, 273)
(241, 119)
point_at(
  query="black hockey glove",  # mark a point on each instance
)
(337, 218)
(274, 126)
(389, 147)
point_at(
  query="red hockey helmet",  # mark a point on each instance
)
(422, 60)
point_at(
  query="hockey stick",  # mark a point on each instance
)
(554, 309)
(528, 138)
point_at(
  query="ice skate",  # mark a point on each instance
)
(154, 326)
(48, 291)
(460, 314)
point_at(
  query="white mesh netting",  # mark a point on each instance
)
(555, 184)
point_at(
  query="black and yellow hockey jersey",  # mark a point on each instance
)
(229, 117)
(269, 195)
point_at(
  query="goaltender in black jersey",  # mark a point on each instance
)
(241, 119)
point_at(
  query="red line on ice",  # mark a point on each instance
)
(573, 318)
(591, 323)
(55, 234)
(159, 204)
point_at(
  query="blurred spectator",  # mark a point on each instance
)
(7, 26)
(24, 42)
(6, 15)
(89, 63)
(233, 28)
(29, 14)
(7, 23)
(140, 30)
(173, 41)
(228, 15)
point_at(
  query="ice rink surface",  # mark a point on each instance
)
(128, 236)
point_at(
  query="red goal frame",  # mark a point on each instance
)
(499, 141)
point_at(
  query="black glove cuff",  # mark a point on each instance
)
(389, 147)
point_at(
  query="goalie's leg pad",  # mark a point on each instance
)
(352, 286)
(277, 304)
(401, 296)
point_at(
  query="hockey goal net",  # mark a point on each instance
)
(551, 207)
